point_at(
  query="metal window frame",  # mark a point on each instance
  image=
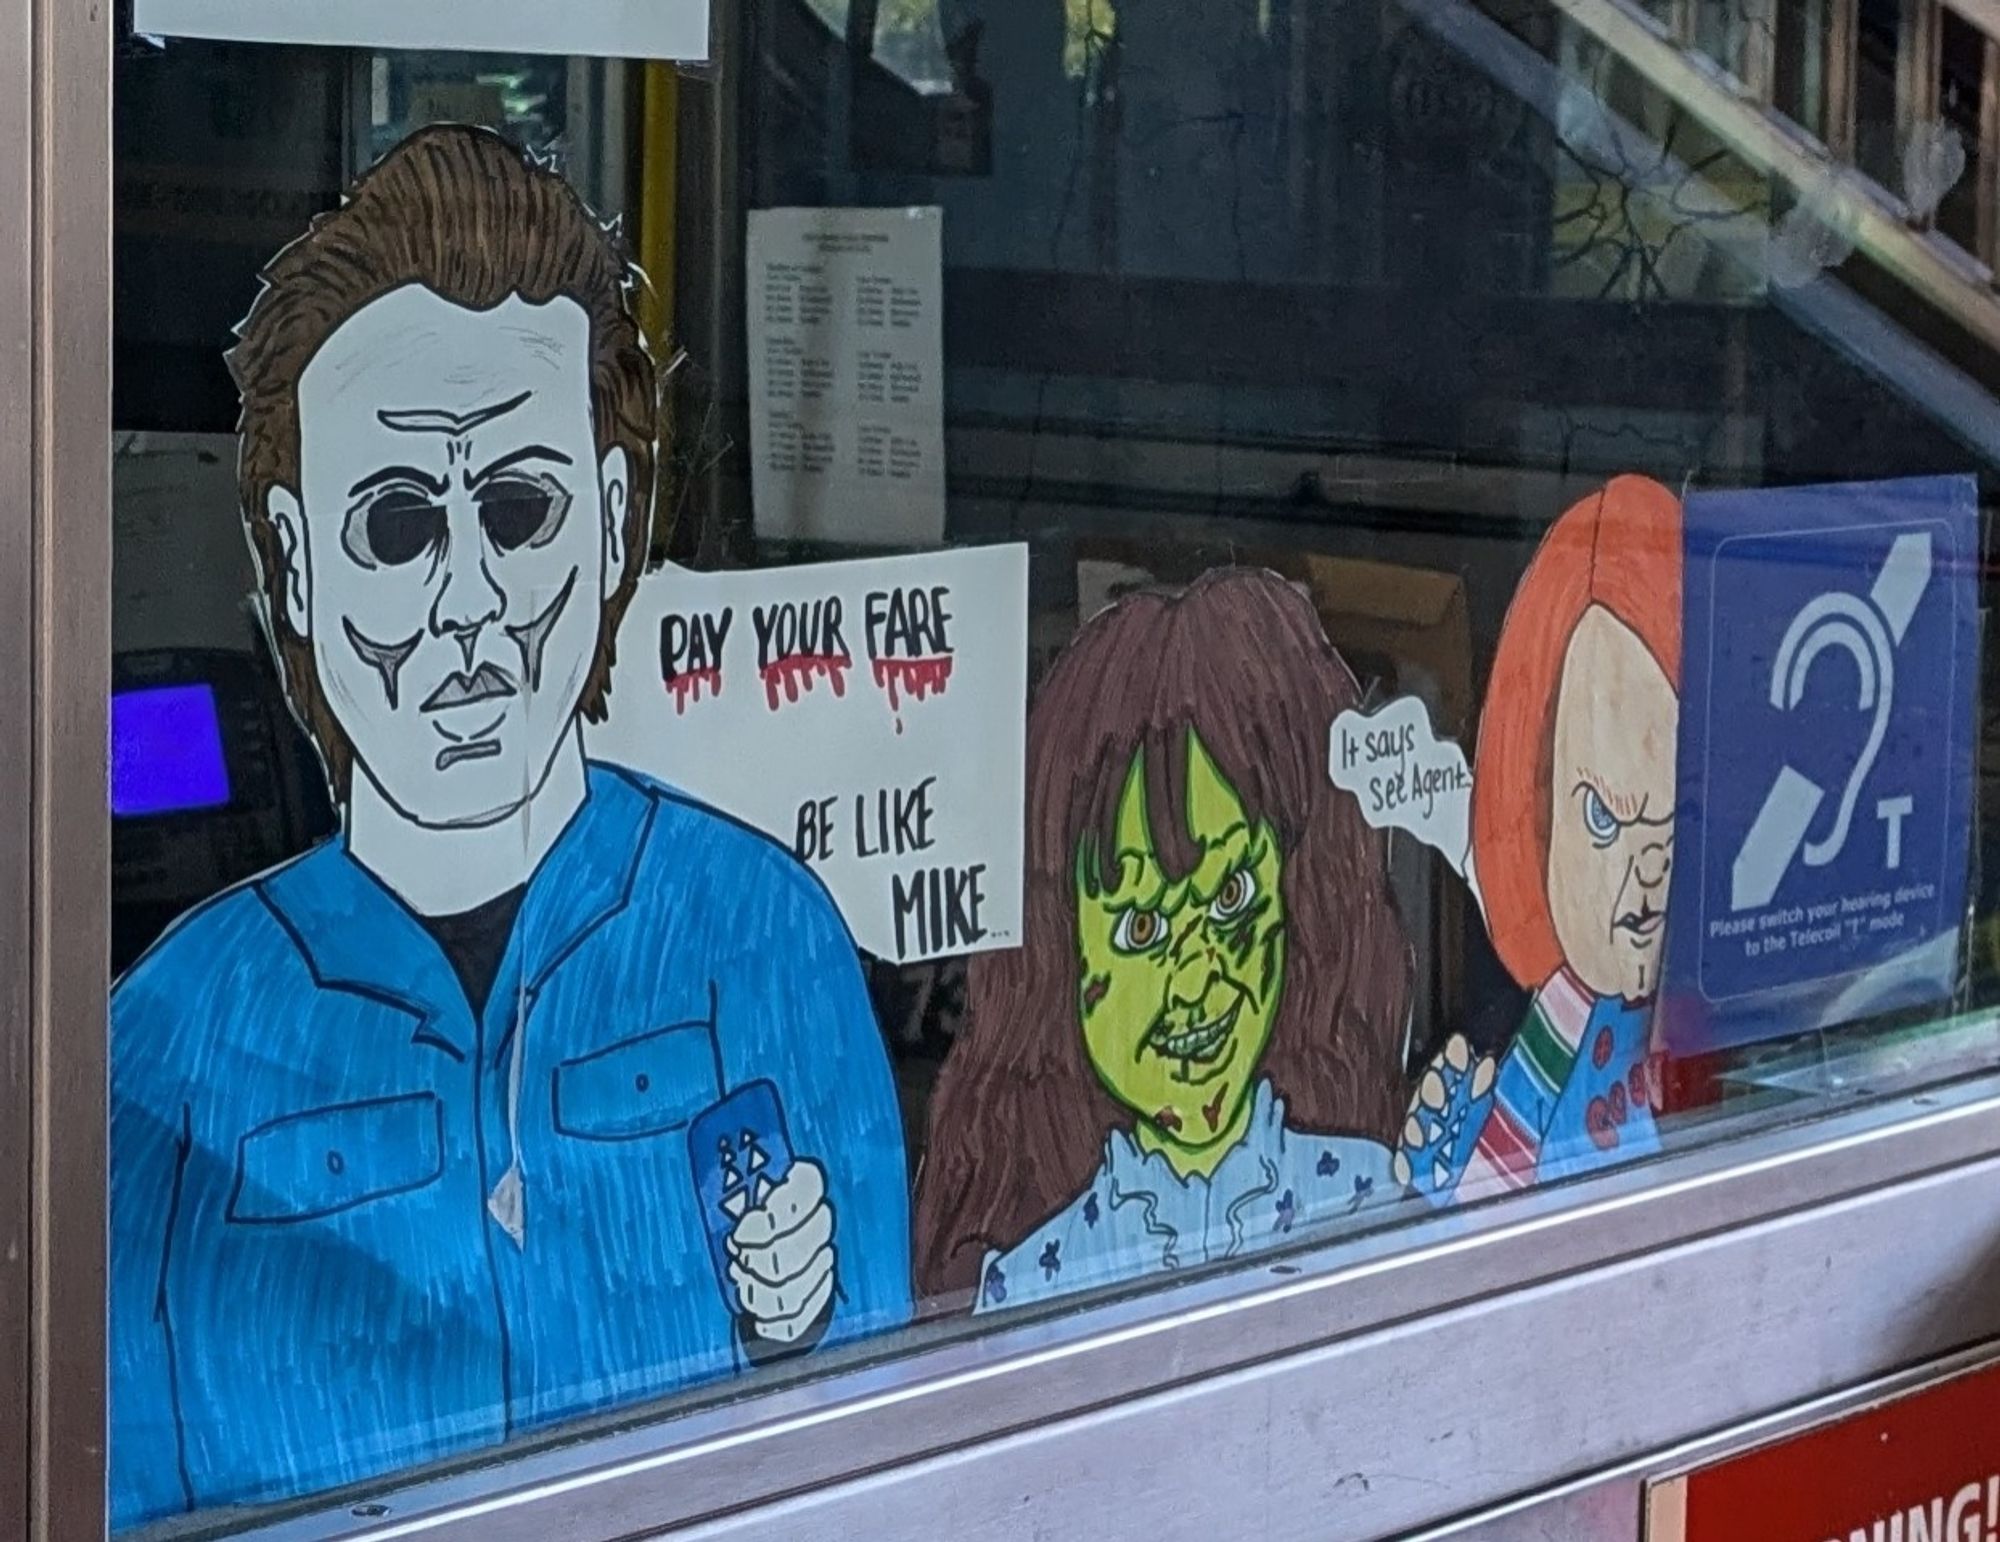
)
(17, 357)
(1375, 1356)
(1603, 1506)
(1497, 1405)
(55, 491)
(931, 1442)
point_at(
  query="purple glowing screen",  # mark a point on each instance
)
(166, 751)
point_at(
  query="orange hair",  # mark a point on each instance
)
(1619, 548)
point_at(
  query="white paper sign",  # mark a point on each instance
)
(628, 29)
(1406, 778)
(869, 715)
(847, 374)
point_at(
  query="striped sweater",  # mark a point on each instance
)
(1575, 1092)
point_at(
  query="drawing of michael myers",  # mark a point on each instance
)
(539, 1088)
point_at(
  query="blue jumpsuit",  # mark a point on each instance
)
(311, 1282)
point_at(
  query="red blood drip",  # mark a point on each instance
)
(1212, 1112)
(1168, 1120)
(920, 677)
(795, 674)
(687, 687)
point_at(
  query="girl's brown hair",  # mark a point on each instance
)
(1019, 1119)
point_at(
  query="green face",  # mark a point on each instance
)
(1181, 981)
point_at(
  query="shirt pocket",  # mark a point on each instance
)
(307, 1166)
(649, 1085)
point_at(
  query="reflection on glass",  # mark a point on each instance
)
(1375, 365)
(528, 95)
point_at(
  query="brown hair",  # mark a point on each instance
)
(476, 221)
(1018, 1121)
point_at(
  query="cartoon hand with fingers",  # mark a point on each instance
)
(782, 1260)
(1445, 1119)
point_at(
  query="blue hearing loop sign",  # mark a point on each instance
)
(1829, 677)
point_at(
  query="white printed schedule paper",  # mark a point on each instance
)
(635, 29)
(847, 374)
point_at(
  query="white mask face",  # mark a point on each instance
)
(452, 543)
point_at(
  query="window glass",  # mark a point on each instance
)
(1439, 550)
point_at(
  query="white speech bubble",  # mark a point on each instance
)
(1405, 777)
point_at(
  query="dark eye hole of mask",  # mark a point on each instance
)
(521, 511)
(397, 526)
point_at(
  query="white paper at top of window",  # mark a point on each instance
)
(635, 29)
(847, 374)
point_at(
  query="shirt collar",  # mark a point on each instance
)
(587, 877)
(359, 937)
(1567, 1003)
(1135, 1168)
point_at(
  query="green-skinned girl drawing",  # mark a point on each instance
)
(1198, 1048)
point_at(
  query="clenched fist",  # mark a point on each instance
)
(782, 1257)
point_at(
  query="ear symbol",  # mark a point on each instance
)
(1867, 629)
(1848, 623)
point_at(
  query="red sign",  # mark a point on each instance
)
(1924, 1467)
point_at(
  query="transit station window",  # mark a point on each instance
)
(978, 656)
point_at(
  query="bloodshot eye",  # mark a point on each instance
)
(1139, 930)
(1234, 897)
